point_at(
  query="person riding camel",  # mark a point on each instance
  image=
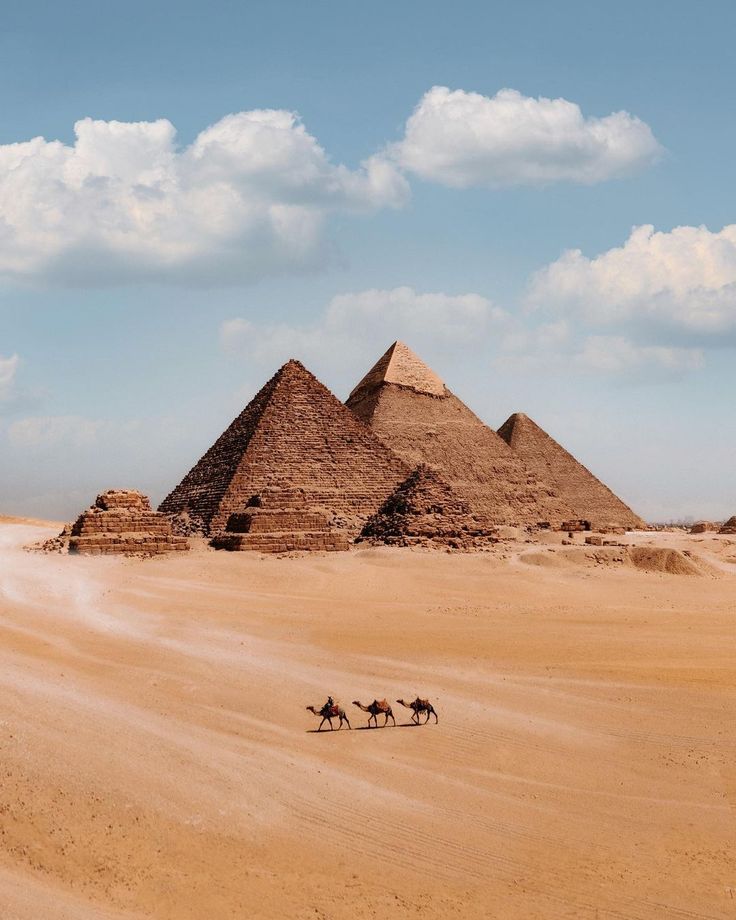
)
(329, 707)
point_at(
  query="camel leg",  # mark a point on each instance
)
(427, 719)
(415, 717)
(321, 724)
(436, 718)
(332, 727)
(390, 713)
(348, 721)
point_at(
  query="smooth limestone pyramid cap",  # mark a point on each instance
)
(400, 366)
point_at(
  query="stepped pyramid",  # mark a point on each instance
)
(410, 409)
(425, 509)
(295, 448)
(588, 497)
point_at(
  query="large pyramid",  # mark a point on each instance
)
(588, 497)
(412, 411)
(294, 447)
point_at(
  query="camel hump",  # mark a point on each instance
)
(424, 703)
(382, 705)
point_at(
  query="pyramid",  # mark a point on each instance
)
(121, 521)
(413, 412)
(425, 509)
(588, 496)
(729, 526)
(294, 448)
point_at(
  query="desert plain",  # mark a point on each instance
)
(158, 760)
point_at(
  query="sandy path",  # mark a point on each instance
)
(157, 760)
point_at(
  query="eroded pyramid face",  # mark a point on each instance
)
(294, 436)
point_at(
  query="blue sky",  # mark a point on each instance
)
(253, 181)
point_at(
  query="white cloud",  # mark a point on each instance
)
(249, 197)
(8, 369)
(559, 348)
(617, 355)
(683, 281)
(464, 139)
(54, 430)
(359, 323)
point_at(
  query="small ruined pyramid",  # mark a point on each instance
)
(588, 497)
(295, 448)
(411, 410)
(729, 526)
(121, 521)
(424, 509)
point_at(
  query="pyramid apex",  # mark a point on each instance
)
(401, 367)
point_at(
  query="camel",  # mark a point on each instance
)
(376, 707)
(328, 713)
(418, 705)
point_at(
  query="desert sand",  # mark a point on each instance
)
(158, 761)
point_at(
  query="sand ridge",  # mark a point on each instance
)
(158, 760)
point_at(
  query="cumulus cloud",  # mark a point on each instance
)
(8, 369)
(365, 322)
(249, 197)
(682, 281)
(464, 139)
(554, 348)
(359, 325)
(617, 355)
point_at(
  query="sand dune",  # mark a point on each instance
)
(158, 760)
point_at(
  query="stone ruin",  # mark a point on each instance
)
(576, 526)
(424, 510)
(121, 521)
(729, 526)
(280, 521)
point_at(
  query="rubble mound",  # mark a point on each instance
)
(729, 526)
(651, 559)
(280, 521)
(57, 544)
(121, 522)
(704, 527)
(660, 559)
(425, 510)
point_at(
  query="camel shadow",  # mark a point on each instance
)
(359, 728)
(325, 731)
